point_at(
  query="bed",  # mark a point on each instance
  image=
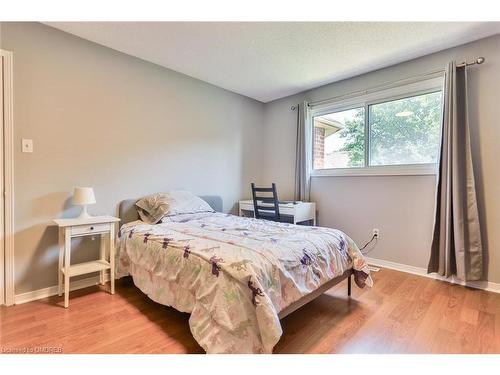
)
(237, 277)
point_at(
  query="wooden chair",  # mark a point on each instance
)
(266, 207)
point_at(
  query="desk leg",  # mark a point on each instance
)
(112, 257)
(102, 256)
(61, 260)
(67, 262)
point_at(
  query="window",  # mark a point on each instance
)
(339, 139)
(405, 131)
(400, 132)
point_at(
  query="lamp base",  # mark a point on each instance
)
(84, 214)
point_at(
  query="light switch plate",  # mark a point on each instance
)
(27, 145)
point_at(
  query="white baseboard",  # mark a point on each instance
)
(54, 290)
(484, 285)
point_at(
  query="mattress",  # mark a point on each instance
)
(233, 274)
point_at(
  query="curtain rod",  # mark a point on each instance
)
(477, 61)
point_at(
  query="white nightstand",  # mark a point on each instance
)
(70, 228)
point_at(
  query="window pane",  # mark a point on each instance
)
(339, 139)
(405, 131)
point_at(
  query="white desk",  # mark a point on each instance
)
(301, 211)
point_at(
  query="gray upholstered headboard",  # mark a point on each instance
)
(128, 212)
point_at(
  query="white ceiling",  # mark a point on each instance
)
(270, 60)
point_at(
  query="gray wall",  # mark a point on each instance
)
(124, 126)
(400, 206)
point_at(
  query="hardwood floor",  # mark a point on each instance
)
(403, 313)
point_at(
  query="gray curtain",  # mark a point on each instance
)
(456, 244)
(302, 178)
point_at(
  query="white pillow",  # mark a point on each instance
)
(185, 202)
(156, 206)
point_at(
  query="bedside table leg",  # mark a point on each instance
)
(102, 254)
(67, 255)
(61, 259)
(112, 257)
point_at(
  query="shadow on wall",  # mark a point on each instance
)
(44, 260)
(44, 206)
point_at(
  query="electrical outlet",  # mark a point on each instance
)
(27, 145)
(376, 233)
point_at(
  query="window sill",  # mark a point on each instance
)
(385, 170)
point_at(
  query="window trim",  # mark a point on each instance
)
(400, 92)
(380, 170)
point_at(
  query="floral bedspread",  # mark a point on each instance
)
(233, 274)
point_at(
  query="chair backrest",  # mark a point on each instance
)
(266, 207)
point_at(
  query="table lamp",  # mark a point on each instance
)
(83, 196)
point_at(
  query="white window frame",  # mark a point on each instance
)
(412, 89)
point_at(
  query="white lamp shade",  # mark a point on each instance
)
(83, 196)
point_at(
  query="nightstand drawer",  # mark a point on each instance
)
(90, 228)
